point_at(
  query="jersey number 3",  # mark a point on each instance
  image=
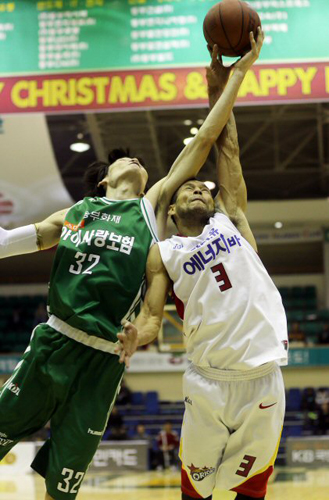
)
(221, 277)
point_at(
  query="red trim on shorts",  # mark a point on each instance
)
(187, 486)
(256, 486)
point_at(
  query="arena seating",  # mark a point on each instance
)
(300, 304)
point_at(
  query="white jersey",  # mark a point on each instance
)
(233, 313)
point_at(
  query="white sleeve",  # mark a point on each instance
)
(18, 241)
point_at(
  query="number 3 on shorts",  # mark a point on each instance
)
(65, 485)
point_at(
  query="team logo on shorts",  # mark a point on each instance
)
(198, 473)
(14, 388)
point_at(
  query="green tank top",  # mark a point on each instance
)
(99, 267)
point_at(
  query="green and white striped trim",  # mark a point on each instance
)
(149, 216)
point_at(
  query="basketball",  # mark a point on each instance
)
(228, 24)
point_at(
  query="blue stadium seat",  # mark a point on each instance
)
(295, 430)
(137, 398)
(294, 399)
(152, 403)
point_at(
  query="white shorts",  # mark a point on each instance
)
(231, 429)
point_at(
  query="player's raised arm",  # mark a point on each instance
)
(194, 155)
(31, 238)
(232, 195)
(148, 322)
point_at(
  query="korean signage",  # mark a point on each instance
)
(308, 452)
(120, 456)
(80, 55)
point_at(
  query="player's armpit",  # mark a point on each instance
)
(154, 192)
(149, 320)
(187, 165)
(49, 230)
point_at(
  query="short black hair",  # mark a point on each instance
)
(94, 173)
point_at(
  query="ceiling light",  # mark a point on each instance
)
(188, 140)
(200, 121)
(187, 122)
(80, 147)
(210, 185)
(278, 225)
(194, 130)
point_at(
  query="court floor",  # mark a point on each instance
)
(286, 484)
(290, 484)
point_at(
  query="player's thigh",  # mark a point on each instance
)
(251, 450)
(26, 399)
(203, 436)
(78, 426)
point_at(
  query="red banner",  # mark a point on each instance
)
(165, 88)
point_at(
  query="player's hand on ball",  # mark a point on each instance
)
(217, 74)
(128, 342)
(250, 57)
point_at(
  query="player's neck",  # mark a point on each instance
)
(123, 191)
(189, 228)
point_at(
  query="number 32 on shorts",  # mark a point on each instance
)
(221, 277)
(70, 475)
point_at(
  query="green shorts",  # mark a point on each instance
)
(73, 386)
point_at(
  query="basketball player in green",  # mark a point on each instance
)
(70, 373)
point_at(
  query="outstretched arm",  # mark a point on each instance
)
(31, 238)
(194, 155)
(232, 195)
(147, 324)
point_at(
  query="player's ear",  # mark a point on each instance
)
(104, 182)
(172, 210)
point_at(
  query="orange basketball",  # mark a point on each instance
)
(228, 24)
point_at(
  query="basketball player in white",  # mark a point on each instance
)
(235, 332)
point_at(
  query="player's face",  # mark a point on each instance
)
(128, 167)
(194, 197)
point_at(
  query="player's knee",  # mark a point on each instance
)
(246, 497)
(187, 497)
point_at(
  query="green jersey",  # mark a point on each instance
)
(99, 267)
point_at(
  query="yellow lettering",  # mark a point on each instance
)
(123, 91)
(36, 93)
(72, 91)
(286, 79)
(2, 85)
(58, 93)
(101, 83)
(268, 78)
(195, 87)
(250, 85)
(147, 89)
(167, 82)
(21, 87)
(306, 76)
(85, 93)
